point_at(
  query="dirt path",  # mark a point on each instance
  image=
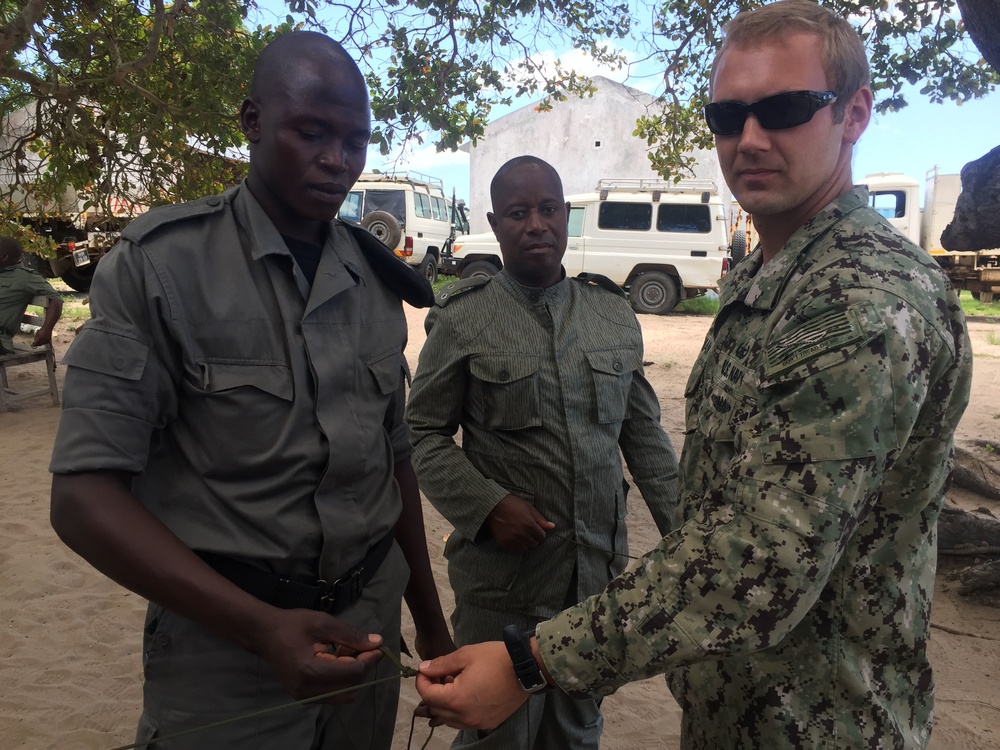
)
(69, 639)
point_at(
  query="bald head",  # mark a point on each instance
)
(285, 57)
(498, 187)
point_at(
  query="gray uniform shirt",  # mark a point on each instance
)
(18, 286)
(546, 385)
(791, 609)
(262, 418)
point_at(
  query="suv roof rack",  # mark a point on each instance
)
(655, 186)
(413, 178)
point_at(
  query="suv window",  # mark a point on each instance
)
(351, 210)
(632, 216)
(575, 228)
(677, 217)
(439, 208)
(393, 201)
(422, 204)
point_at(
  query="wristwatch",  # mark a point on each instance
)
(525, 668)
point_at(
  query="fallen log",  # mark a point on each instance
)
(976, 474)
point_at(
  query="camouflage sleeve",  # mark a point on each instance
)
(745, 568)
(648, 453)
(454, 486)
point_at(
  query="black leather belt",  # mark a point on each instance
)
(290, 593)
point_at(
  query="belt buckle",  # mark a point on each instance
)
(349, 586)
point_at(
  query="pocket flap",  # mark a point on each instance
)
(503, 368)
(386, 368)
(274, 378)
(615, 361)
(107, 353)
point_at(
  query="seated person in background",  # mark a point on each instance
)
(18, 286)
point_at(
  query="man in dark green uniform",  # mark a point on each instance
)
(790, 608)
(543, 375)
(232, 445)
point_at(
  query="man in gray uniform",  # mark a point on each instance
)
(18, 286)
(791, 606)
(544, 376)
(232, 444)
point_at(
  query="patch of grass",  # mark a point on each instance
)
(992, 338)
(975, 307)
(667, 365)
(704, 305)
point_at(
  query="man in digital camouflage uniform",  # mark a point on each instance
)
(791, 607)
(543, 375)
(232, 445)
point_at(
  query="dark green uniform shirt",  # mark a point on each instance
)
(546, 386)
(791, 609)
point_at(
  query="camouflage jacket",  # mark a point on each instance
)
(791, 607)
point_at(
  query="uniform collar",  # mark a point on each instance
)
(533, 295)
(760, 286)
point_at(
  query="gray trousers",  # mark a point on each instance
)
(193, 678)
(547, 721)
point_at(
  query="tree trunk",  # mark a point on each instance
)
(983, 24)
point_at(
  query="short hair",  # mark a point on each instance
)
(9, 246)
(288, 50)
(520, 161)
(841, 51)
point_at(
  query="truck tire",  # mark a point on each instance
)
(654, 293)
(738, 246)
(79, 279)
(478, 268)
(429, 268)
(384, 226)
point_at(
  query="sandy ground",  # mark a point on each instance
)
(70, 639)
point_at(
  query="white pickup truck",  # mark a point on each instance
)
(660, 241)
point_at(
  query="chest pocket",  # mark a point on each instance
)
(505, 391)
(386, 370)
(612, 371)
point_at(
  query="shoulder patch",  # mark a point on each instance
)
(602, 281)
(160, 216)
(457, 288)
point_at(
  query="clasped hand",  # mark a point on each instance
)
(516, 525)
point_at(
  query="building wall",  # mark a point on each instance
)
(584, 139)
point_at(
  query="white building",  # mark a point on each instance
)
(585, 139)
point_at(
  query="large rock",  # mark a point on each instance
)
(976, 225)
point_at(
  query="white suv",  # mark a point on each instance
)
(660, 241)
(408, 212)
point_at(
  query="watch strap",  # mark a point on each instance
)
(526, 669)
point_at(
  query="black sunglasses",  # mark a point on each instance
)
(777, 112)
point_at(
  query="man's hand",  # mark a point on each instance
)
(311, 653)
(516, 525)
(472, 688)
(42, 337)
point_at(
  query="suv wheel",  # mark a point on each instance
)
(429, 268)
(79, 279)
(653, 292)
(384, 226)
(479, 268)
(738, 246)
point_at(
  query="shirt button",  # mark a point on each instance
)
(214, 201)
(503, 375)
(617, 366)
(534, 296)
(118, 362)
